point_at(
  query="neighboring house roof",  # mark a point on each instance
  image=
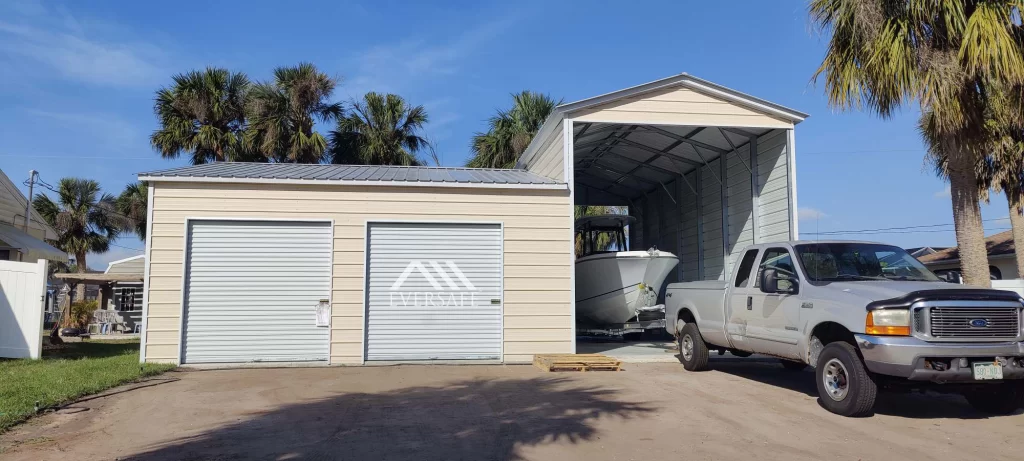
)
(352, 175)
(31, 248)
(1000, 244)
(12, 211)
(136, 265)
(917, 252)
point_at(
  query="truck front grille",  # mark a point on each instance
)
(995, 323)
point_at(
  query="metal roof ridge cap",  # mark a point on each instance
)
(345, 182)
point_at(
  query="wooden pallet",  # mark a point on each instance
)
(576, 362)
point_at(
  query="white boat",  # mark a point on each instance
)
(614, 286)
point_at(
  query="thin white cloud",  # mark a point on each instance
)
(57, 43)
(392, 68)
(442, 116)
(810, 213)
(944, 193)
(106, 130)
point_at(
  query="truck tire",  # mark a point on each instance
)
(844, 385)
(790, 365)
(693, 353)
(997, 399)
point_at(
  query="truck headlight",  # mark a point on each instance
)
(888, 322)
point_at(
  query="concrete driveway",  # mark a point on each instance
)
(743, 409)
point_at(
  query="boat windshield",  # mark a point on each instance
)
(593, 240)
(833, 262)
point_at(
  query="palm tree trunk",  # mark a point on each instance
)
(80, 288)
(970, 234)
(1016, 200)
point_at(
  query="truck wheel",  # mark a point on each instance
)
(693, 353)
(790, 365)
(844, 384)
(998, 399)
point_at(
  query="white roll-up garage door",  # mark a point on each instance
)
(252, 289)
(434, 292)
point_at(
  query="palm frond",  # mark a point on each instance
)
(380, 129)
(510, 131)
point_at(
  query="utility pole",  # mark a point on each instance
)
(28, 205)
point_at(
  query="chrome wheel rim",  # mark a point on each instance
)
(686, 347)
(836, 380)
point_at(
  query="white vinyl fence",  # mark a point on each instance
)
(22, 296)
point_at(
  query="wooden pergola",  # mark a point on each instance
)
(104, 281)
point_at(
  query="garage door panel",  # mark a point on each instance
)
(434, 292)
(251, 291)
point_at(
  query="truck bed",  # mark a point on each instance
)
(706, 297)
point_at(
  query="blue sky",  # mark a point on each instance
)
(77, 82)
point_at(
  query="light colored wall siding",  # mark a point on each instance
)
(773, 180)
(661, 224)
(550, 159)
(670, 226)
(741, 222)
(679, 106)
(12, 210)
(537, 298)
(688, 257)
(134, 266)
(711, 195)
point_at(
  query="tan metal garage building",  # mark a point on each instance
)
(420, 263)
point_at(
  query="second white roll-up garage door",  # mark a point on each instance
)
(434, 292)
(251, 291)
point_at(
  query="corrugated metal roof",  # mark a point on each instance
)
(350, 173)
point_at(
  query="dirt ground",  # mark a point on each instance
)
(742, 409)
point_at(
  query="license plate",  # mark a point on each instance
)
(987, 370)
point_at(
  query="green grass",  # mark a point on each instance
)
(67, 373)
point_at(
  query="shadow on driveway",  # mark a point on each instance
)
(474, 419)
(901, 404)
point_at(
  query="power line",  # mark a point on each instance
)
(899, 232)
(107, 157)
(869, 151)
(47, 186)
(140, 250)
(923, 226)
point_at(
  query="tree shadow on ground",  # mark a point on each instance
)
(92, 350)
(475, 419)
(892, 403)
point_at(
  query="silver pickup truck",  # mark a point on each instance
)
(865, 315)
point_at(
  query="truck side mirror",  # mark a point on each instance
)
(771, 283)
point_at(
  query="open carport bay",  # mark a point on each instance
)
(704, 169)
(740, 410)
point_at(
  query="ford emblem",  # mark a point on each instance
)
(979, 323)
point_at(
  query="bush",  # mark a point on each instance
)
(81, 313)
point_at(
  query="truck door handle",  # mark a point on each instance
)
(750, 303)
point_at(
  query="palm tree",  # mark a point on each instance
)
(283, 114)
(382, 129)
(84, 218)
(202, 115)
(132, 204)
(947, 55)
(510, 132)
(604, 240)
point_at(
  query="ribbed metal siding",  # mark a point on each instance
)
(444, 320)
(251, 291)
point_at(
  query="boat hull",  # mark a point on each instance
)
(608, 284)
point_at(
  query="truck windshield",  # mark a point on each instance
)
(832, 262)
